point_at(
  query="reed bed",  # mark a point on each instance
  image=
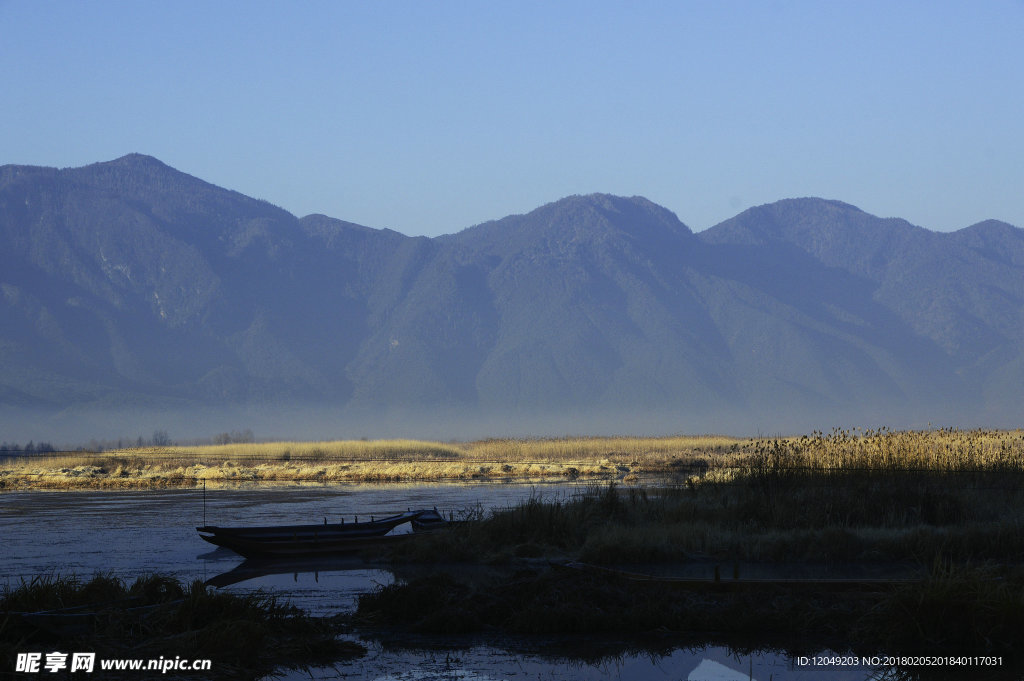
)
(985, 454)
(370, 461)
(949, 538)
(876, 496)
(617, 525)
(946, 449)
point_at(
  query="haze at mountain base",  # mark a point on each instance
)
(129, 287)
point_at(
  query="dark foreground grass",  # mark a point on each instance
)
(960, 532)
(245, 636)
(967, 612)
(763, 515)
(975, 611)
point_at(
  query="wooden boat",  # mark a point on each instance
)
(374, 527)
(429, 520)
(432, 519)
(307, 540)
(313, 545)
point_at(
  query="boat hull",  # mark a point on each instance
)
(306, 546)
(373, 528)
(307, 540)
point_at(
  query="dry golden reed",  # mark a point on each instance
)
(595, 458)
(694, 458)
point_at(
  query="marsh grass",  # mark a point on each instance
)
(973, 607)
(245, 635)
(371, 461)
(823, 502)
(878, 497)
(954, 611)
(849, 460)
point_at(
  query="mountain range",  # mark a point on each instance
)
(131, 285)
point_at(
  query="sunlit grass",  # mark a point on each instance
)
(696, 459)
(368, 461)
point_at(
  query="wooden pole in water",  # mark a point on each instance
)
(204, 502)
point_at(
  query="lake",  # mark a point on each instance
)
(132, 533)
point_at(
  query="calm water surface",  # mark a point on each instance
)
(129, 534)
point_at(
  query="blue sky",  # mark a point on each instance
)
(429, 117)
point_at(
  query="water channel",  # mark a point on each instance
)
(129, 534)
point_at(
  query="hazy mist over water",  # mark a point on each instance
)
(77, 428)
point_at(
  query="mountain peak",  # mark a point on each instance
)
(136, 157)
(807, 221)
(835, 233)
(611, 204)
(132, 168)
(995, 240)
(578, 218)
(992, 227)
(133, 161)
(771, 218)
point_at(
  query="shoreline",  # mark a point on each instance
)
(684, 460)
(946, 505)
(515, 461)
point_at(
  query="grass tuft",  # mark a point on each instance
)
(244, 635)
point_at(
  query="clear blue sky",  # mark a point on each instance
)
(429, 117)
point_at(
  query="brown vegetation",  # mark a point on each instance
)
(962, 612)
(244, 635)
(371, 461)
(939, 513)
(630, 459)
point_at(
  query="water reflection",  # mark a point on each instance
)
(320, 586)
(129, 534)
(251, 569)
(426, 658)
(484, 663)
(137, 532)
